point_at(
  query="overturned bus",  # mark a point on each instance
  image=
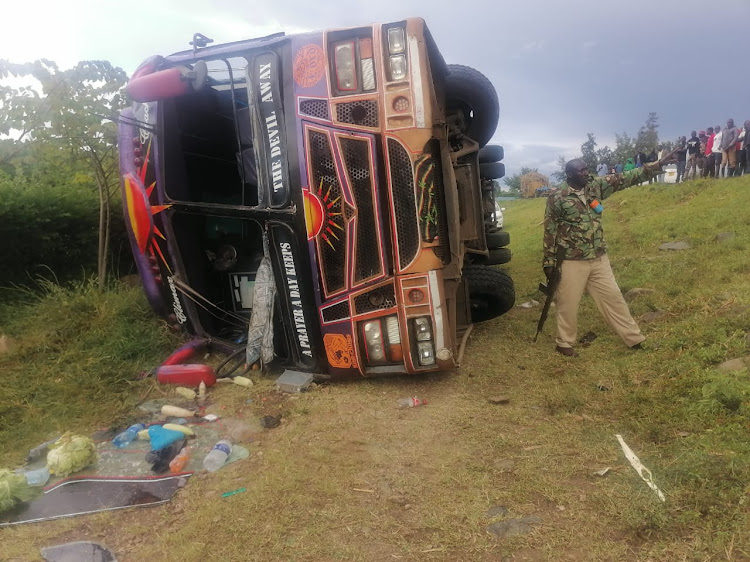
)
(355, 160)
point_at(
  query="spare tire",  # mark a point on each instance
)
(491, 292)
(491, 153)
(497, 239)
(468, 90)
(492, 170)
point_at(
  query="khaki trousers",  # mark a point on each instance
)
(596, 277)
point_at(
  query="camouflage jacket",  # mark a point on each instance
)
(576, 226)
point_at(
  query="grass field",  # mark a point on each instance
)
(347, 476)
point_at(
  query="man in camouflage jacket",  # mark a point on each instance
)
(573, 220)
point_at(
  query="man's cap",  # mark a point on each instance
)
(702, 133)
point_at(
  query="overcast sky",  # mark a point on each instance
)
(561, 68)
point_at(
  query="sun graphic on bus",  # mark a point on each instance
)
(141, 212)
(320, 215)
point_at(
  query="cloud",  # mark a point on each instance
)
(561, 69)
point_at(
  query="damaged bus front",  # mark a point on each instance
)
(333, 155)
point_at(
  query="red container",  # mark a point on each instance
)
(190, 375)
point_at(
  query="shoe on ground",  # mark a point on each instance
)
(567, 351)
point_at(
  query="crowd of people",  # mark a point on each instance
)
(714, 153)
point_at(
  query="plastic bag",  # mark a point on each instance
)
(162, 438)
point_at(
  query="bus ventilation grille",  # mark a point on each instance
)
(314, 108)
(335, 312)
(378, 299)
(332, 244)
(367, 261)
(363, 113)
(404, 203)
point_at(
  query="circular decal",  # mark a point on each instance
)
(309, 65)
(340, 351)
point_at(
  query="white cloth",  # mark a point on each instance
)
(717, 143)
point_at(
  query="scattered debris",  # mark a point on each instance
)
(498, 400)
(270, 422)
(238, 453)
(242, 381)
(293, 381)
(633, 294)
(13, 489)
(412, 402)
(76, 496)
(186, 393)
(603, 387)
(79, 551)
(602, 472)
(233, 492)
(512, 527)
(675, 246)
(70, 453)
(642, 471)
(683, 434)
(177, 412)
(528, 304)
(587, 338)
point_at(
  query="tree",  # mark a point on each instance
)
(560, 174)
(588, 151)
(73, 111)
(605, 155)
(514, 181)
(648, 135)
(624, 148)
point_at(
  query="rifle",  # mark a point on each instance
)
(550, 288)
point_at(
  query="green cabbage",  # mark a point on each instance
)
(69, 454)
(13, 489)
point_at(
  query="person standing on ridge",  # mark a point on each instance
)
(707, 152)
(693, 148)
(572, 220)
(746, 147)
(716, 150)
(681, 158)
(728, 149)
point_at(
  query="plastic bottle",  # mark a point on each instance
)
(128, 436)
(178, 463)
(411, 402)
(202, 392)
(37, 477)
(218, 456)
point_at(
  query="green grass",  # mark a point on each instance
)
(79, 351)
(347, 476)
